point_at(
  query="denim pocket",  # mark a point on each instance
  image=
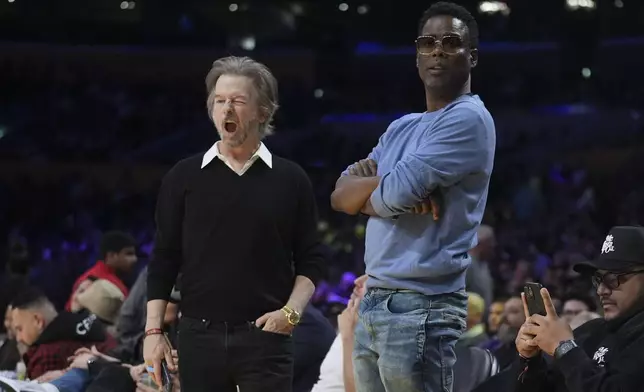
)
(404, 302)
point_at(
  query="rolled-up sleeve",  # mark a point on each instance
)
(166, 256)
(308, 253)
(454, 146)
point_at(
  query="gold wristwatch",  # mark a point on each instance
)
(292, 316)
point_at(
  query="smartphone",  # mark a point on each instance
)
(532, 292)
(166, 377)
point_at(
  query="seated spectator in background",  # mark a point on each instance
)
(502, 345)
(582, 318)
(336, 371)
(311, 341)
(84, 285)
(475, 334)
(9, 354)
(102, 299)
(478, 278)
(130, 325)
(495, 316)
(118, 251)
(53, 337)
(15, 276)
(574, 304)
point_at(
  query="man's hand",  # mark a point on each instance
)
(348, 319)
(79, 361)
(136, 372)
(524, 342)
(275, 322)
(431, 205)
(364, 168)
(156, 348)
(549, 330)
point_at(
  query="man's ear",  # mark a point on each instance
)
(474, 57)
(263, 115)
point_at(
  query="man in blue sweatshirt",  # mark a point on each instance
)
(415, 306)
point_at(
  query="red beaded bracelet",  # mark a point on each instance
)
(153, 331)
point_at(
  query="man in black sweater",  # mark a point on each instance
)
(241, 226)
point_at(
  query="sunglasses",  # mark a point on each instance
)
(449, 44)
(612, 280)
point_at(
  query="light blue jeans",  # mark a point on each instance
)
(404, 341)
(75, 380)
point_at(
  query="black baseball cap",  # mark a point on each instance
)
(622, 250)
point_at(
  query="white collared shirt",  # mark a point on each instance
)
(261, 153)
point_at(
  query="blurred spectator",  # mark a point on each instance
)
(474, 334)
(52, 337)
(118, 251)
(75, 306)
(9, 354)
(479, 279)
(495, 316)
(575, 304)
(16, 274)
(102, 299)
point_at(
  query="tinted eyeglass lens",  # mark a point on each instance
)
(449, 43)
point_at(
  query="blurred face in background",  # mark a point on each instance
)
(495, 316)
(572, 308)
(27, 325)
(513, 314)
(124, 260)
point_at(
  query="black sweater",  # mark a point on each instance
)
(238, 240)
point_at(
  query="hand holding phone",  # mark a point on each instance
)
(534, 301)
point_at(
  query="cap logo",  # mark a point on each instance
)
(608, 247)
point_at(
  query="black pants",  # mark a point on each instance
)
(218, 357)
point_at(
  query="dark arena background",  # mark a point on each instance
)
(98, 99)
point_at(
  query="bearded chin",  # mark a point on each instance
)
(234, 141)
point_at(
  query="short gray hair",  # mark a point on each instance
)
(263, 80)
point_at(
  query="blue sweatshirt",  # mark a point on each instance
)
(451, 150)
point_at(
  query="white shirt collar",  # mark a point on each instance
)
(262, 153)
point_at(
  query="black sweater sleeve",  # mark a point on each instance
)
(166, 257)
(582, 374)
(308, 255)
(533, 375)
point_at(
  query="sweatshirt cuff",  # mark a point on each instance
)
(378, 203)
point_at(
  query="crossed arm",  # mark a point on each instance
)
(453, 147)
(352, 194)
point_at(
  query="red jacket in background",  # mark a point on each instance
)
(100, 270)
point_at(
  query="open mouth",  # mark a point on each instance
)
(230, 126)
